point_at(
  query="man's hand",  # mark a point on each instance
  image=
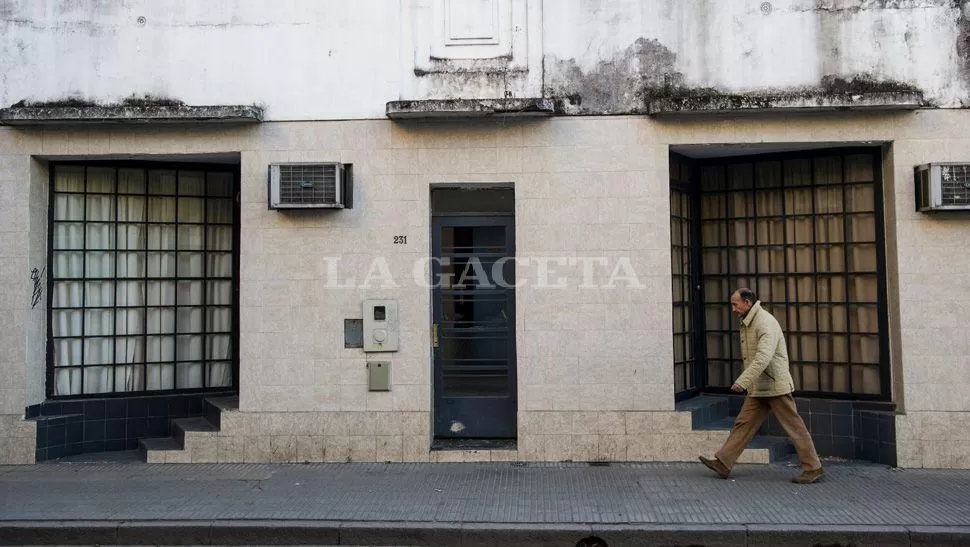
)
(737, 388)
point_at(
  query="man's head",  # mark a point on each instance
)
(742, 300)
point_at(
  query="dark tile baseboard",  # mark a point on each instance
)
(71, 427)
(862, 430)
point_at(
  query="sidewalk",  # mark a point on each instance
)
(479, 504)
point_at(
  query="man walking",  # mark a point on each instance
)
(769, 384)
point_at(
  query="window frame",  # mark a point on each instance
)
(230, 168)
(719, 302)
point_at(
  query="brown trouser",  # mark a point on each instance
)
(753, 413)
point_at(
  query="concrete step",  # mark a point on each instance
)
(704, 409)
(224, 403)
(711, 413)
(159, 443)
(155, 450)
(726, 422)
(189, 436)
(196, 424)
(213, 408)
(192, 428)
(761, 449)
(777, 448)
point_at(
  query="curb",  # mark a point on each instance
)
(306, 532)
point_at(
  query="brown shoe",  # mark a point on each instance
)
(808, 477)
(716, 466)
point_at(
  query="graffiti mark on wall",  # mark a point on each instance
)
(36, 276)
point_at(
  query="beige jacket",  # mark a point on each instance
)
(765, 355)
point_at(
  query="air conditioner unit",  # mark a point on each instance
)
(310, 186)
(942, 187)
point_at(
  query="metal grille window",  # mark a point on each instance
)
(143, 275)
(955, 184)
(804, 233)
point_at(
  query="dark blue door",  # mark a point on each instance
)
(473, 336)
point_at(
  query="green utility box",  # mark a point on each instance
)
(379, 375)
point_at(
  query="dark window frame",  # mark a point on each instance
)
(881, 301)
(685, 333)
(234, 171)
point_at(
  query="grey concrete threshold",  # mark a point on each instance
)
(310, 532)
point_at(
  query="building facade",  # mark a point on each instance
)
(500, 230)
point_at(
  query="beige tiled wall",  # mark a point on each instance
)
(927, 251)
(587, 187)
(18, 438)
(582, 189)
(934, 301)
(23, 247)
(15, 285)
(404, 437)
(35, 317)
(933, 439)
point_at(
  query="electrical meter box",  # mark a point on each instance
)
(379, 375)
(380, 325)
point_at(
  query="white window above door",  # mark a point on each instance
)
(477, 49)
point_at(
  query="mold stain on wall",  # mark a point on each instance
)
(616, 85)
(831, 90)
(646, 71)
(963, 45)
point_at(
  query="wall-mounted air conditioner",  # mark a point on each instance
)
(310, 186)
(942, 187)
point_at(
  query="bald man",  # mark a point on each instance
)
(769, 386)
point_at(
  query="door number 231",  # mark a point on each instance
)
(400, 240)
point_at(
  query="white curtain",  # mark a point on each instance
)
(129, 371)
(136, 276)
(86, 258)
(219, 247)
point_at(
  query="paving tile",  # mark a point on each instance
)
(852, 493)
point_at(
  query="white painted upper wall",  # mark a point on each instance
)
(301, 59)
(333, 59)
(750, 46)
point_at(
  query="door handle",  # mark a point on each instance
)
(434, 335)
